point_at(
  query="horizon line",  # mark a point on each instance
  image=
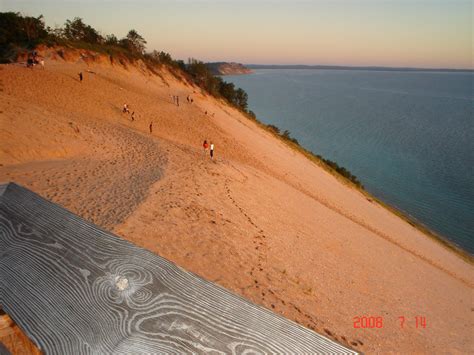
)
(331, 66)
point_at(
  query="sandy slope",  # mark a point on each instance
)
(260, 220)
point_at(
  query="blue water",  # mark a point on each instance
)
(408, 136)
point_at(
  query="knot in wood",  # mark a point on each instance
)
(121, 283)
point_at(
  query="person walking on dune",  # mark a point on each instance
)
(211, 151)
(125, 108)
(151, 127)
(205, 146)
(80, 77)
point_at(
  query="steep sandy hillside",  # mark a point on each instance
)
(260, 219)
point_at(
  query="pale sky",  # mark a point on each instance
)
(414, 33)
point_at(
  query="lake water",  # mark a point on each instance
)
(408, 136)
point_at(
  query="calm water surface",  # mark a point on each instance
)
(408, 136)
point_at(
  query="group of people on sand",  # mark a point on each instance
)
(126, 109)
(175, 99)
(209, 146)
(34, 59)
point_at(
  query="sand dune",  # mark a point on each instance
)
(260, 219)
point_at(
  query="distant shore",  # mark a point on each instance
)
(224, 68)
(371, 68)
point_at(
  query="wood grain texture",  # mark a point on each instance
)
(3, 187)
(76, 289)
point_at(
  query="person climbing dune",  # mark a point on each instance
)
(211, 151)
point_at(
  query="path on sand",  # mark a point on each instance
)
(106, 186)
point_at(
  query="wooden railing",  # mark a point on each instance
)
(74, 288)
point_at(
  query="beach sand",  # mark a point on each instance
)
(260, 219)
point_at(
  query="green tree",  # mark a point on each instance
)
(77, 30)
(18, 29)
(162, 57)
(134, 42)
(203, 76)
(55, 34)
(198, 70)
(111, 40)
(274, 128)
(227, 90)
(241, 98)
(286, 134)
(34, 28)
(180, 64)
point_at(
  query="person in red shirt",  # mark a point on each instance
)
(205, 145)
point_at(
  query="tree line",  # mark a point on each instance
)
(286, 135)
(18, 32)
(26, 32)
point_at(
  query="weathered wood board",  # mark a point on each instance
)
(76, 289)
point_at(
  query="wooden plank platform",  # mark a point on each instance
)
(76, 289)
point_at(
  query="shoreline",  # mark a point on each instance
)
(444, 241)
(453, 239)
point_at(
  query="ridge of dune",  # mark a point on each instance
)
(261, 219)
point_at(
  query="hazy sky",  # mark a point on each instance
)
(416, 33)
